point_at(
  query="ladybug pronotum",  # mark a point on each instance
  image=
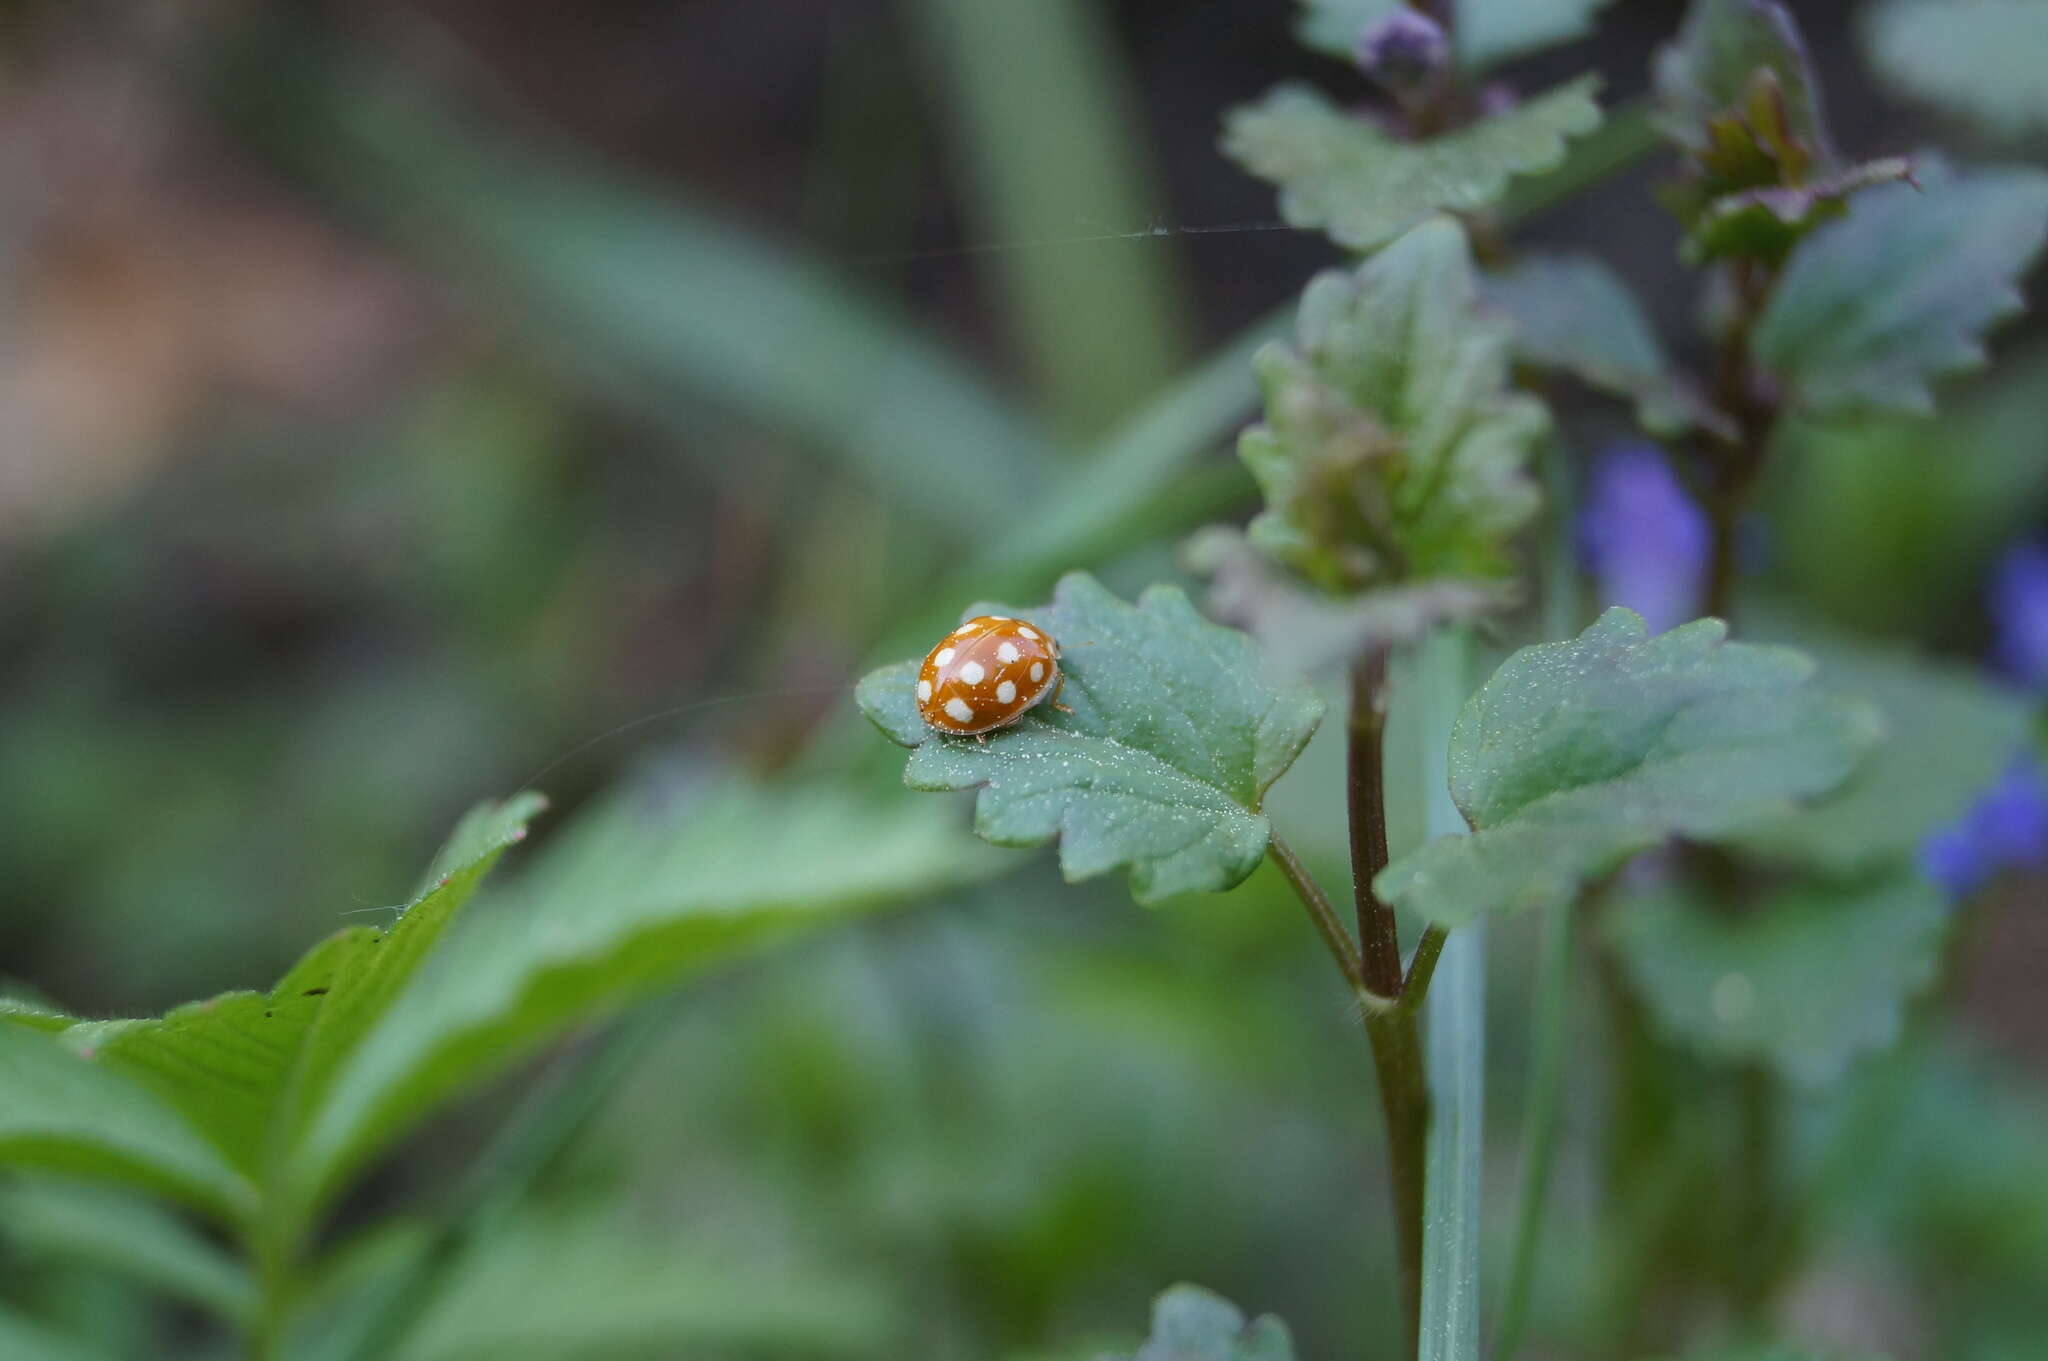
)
(987, 674)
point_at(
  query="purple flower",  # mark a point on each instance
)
(1406, 52)
(1643, 538)
(2019, 610)
(2005, 829)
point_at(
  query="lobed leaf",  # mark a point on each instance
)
(1339, 173)
(66, 1112)
(1572, 313)
(1394, 447)
(1174, 738)
(631, 899)
(1193, 1324)
(1982, 59)
(1488, 31)
(1874, 305)
(1711, 68)
(1577, 755)
(1805, 980)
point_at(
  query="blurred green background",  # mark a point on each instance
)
(396, 397)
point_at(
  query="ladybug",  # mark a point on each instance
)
(987, 674)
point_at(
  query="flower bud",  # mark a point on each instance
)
(1405, 51)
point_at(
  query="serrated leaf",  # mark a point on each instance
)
(1393, 447)
(1711, 67)
(1577, 755)
(1805, 979)
(244, 1066)
(1950, 732)
(1488, 31)
(1193, 1324)
(1175, 736)
(66, 1112)
(1341, 174)
(1305, 629)
(125, 1235)
(634, 897)
(1572, 313)
(1982, 59)
(1767, 223)
(1874, 305)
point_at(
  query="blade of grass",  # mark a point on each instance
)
(1456, 1056)
(1539, 1125)
(1049, 149)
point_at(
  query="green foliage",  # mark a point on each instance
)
(1577, 755)
(1488, 31)
(1339, 173)
(1873, 306)
(1982, 59)
(632, 898)
(24, 1339)
(1949, 730)
(49, 1219)
(1766, 223)
(1393, 447)
(66, 1112)
(1804, 978)
(1572, 313)
(245, 1067)
(1712, 67)
(1174, 738)
(1193, 1324)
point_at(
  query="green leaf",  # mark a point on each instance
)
(1806, 979)
(1572, 313)
(1163, 764)
(1711, 69)
(1950, 731)
(1393, 446)
(1874, 305)
(1577, 755)
(1488, 31)
(632, 898)
(1982, 59)
(131, 1237)
(34, 1015)
(1766, 223)
(25, 1339)
(1339, 173)
(568, 1286)
(245, 1066)
(1193, 1324)
(66, 1112)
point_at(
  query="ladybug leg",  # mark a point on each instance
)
(1058, 686)
(981, 739)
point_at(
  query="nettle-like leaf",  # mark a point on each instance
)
(1577, 755)
(1950, 731)
(1874, 305)
(1982, 59)
(1193, 1324)
(1339, 173)
(1767, 223)
(1175, 736)
(1712, 67)
(1572, 313)
(244, 1067)
(633, 897)
(1393, 447)
(1488, 31)
(1804, 978)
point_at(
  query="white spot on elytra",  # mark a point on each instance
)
(945, 655)
(1000, 618)
(972, 673)
(957, 710)
(1028, 632)
(1037, 671)
(924, 692)
(1007, 653)
(1006, 692)
(964, 628)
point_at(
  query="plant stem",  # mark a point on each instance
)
(1328, 926)
(1539, 1124)
(1379, 935)
(1423, 967)
(1404, 1098)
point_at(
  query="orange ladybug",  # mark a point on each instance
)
(987, 674)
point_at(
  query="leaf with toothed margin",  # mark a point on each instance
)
(1339, 173)
(1806, 978)
(1175, 735)
(1577, 755)
(245, 1067)
(1193, 1324)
